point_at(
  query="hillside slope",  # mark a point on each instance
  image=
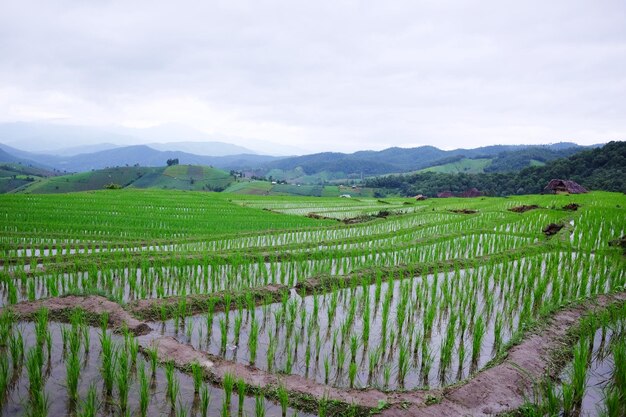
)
(177, 177)
(597, 169)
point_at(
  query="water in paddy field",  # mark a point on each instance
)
(292, 334)
(600, 368)
(17, 398)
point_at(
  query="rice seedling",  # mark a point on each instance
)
(228, 384)
(259, 406)
(89, 406)
(123, 383)
(196, 372)
(241, 391)
(205, 401)
(283, 398)
(144, 391)
(72, 377)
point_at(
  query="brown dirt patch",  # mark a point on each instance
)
(464, 211)
(60, 307)
(571, 207)
(552, 229)
(523, 209)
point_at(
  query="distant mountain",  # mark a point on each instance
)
(397, 160)
(77, 150)
(132, 155)
(68, 140)
(203, 148)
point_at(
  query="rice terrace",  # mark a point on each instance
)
(159, 302)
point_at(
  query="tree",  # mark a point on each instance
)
(171, 162)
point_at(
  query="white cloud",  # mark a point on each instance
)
(340, 75)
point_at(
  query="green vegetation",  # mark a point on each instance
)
(596, 169)
(398, 295)
(178, 177)
(469, 166)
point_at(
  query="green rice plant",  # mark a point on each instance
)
(174, 390)
(386, 375)
(237, 328)
(181, 411)
(283, 398)
(16, 346)
(224, 335)
(253, 339)
(89, 406)
(109, 357)
(169, 378)
(289, 361)
(326, 369)
(477, 339)
(5, 377)
(144, 393)
(196, 372)
(39, 404)
(34, 362)
(352, 370)
(154, 358)
(241, 391)
(373, 359)
(72, 366)
(403, 363)
(497, 333)
(259, 406)
(228, 383)
(341, 360)
(354, 346)
(322, 407)
(579, 370)
(205, 401)
(123, 383)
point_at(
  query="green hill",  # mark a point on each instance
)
(177, 177)
(596, 169)
(14, 176)
(469, 166)
(186, 177)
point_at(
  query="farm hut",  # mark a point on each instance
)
(565, 186)
(420, 197)
(445, 194)
(472, 192)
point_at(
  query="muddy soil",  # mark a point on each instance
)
(523, 209)
(571, 207)
(552, 229)
(505, 387)
(464, 211)
(59, 307)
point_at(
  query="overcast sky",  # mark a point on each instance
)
(323, 75)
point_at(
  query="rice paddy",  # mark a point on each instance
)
(290, 305)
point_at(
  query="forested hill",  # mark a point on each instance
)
(597, 169)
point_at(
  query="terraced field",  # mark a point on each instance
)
(154, 302)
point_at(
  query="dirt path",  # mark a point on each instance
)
(59, 307)
(301, 390)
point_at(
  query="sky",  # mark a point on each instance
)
(322, 75)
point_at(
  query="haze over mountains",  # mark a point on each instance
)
(69, 140)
